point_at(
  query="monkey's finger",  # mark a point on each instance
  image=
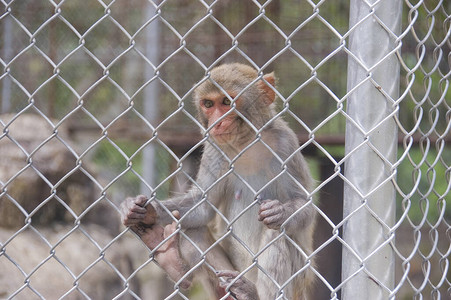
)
(273, 206)
(141, 200)
(266, 204)
(225, 282)
(271, 212)
(271, 220)
(132, 210)
(130, 205)
(136, 215)
(173, 241)
(151, 215)
(227, 274)
(130, 222)
(276, 212)
(169, 229)
(274, 222)
(130, 201)
(176, 214)
(137, 209)
(129, 218)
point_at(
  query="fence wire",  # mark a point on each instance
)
(96, 106)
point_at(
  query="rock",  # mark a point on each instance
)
(56, 227)
(40, 174)
(71, 265)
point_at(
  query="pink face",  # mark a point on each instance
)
(214, 106)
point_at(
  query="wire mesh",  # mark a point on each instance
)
(96, 106)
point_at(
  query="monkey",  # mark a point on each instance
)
(253, 186)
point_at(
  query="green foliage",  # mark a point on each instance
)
(111, 162)
(429, 199)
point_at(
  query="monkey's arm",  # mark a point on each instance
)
(196, 206)
(195, 210)
(295, 211)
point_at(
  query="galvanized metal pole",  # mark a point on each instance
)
(7, 55)
(151, 93)
(371, 148)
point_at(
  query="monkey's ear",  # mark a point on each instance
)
(267, 90)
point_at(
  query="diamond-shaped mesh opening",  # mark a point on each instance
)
(105, 97)
(131, 9)
(249, 11)
(275, 42)
(21, 38)
(316, 49)
(30, 61)
(194, 12)
(56, 32)
(21, 242)
(172, 74)
(16, 185)
(96, 106)
(82, 18)
(129, 83)
(28, 18)
(104, 53)
(62, 282)
(85, 75)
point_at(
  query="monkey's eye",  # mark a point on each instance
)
(208, 103)
(226, 101)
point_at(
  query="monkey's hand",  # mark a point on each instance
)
(241, 289)
(135, 213)
(272, 213)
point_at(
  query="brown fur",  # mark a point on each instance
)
(232, 174)
(255, 103)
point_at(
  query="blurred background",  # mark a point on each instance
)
(96, 106)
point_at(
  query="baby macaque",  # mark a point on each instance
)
(253, 187)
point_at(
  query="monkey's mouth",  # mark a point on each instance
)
(228, 133)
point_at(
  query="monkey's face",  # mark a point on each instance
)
(233, 105)
(216, 112)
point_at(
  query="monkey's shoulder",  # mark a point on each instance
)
(281, 138)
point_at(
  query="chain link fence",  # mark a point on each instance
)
(95, 106)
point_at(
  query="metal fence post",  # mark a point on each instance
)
(5, 102)
(151, 93)
(371, 147)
